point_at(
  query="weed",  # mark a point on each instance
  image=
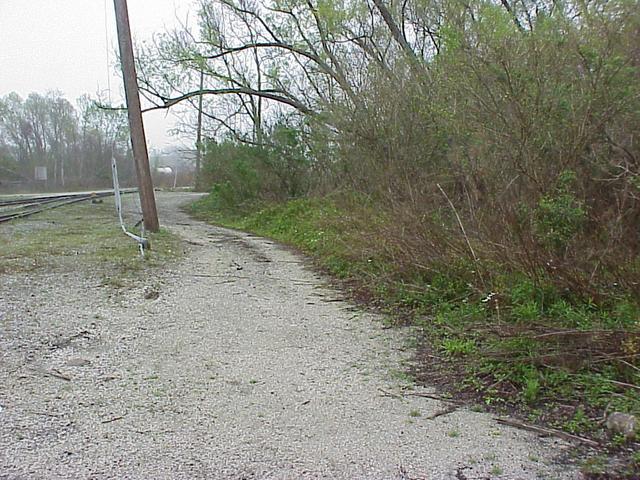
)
(490, 457)
(619, 440)
(532, 386)
(456, 347)
(595, 465)
(580, 422)
(453, 433)
(526, 312)
(496, 470)
(625, 314)
(572, 316)
(492, 399)
(415, 413)
(402, 376)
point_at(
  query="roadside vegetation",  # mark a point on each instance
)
(471, 168)
(87, 234)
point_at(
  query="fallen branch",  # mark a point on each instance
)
(574, 332)
(47, 414)
(157, 432)
(629, 365)
(223, 282)
(63, 343)
(547, 431)
(418, 394)
(433, 397)
(625, 385)
(390, 394)
(444, 411)
(206, 275)
(114, 419)
(52, 373)
(191, 242)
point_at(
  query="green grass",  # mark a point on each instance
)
(85, 236)
(317, 227)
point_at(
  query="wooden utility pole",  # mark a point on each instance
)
(136, 127)
(199, 134)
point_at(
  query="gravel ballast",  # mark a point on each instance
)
(236, 362)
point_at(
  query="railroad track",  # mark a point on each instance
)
(11, 209)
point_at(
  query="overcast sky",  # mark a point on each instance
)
(66, 45)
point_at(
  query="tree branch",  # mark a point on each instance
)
(395, 31)
(269, 94)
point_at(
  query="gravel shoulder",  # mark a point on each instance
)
(236, 362)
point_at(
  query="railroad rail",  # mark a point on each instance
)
(14, 208)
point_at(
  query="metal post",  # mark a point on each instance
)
(138, 140)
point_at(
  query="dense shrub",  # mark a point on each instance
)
(240, 175)
(513, 147)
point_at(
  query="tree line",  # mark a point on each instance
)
(74, 143)
(493, 131)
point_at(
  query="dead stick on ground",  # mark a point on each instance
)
(191, 242)
(626, 385)
(417, 394)
(629, 364)
(547, 431)
(114, 419)
(205, 275)
(223, 282)
(433, 397)
(157, 432)
(53, 373)
(444, 411)
(390, 394)
(46, 414)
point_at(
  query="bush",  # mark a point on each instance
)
(516, 150)
(239, 175)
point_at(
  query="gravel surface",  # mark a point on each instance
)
(236, 362)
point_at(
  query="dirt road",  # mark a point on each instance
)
(237, 362)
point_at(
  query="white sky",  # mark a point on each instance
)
(62, 45)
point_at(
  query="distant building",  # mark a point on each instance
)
(165, 170)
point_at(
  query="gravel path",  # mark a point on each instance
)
(240, 364)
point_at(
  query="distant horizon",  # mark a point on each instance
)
(79, 59)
